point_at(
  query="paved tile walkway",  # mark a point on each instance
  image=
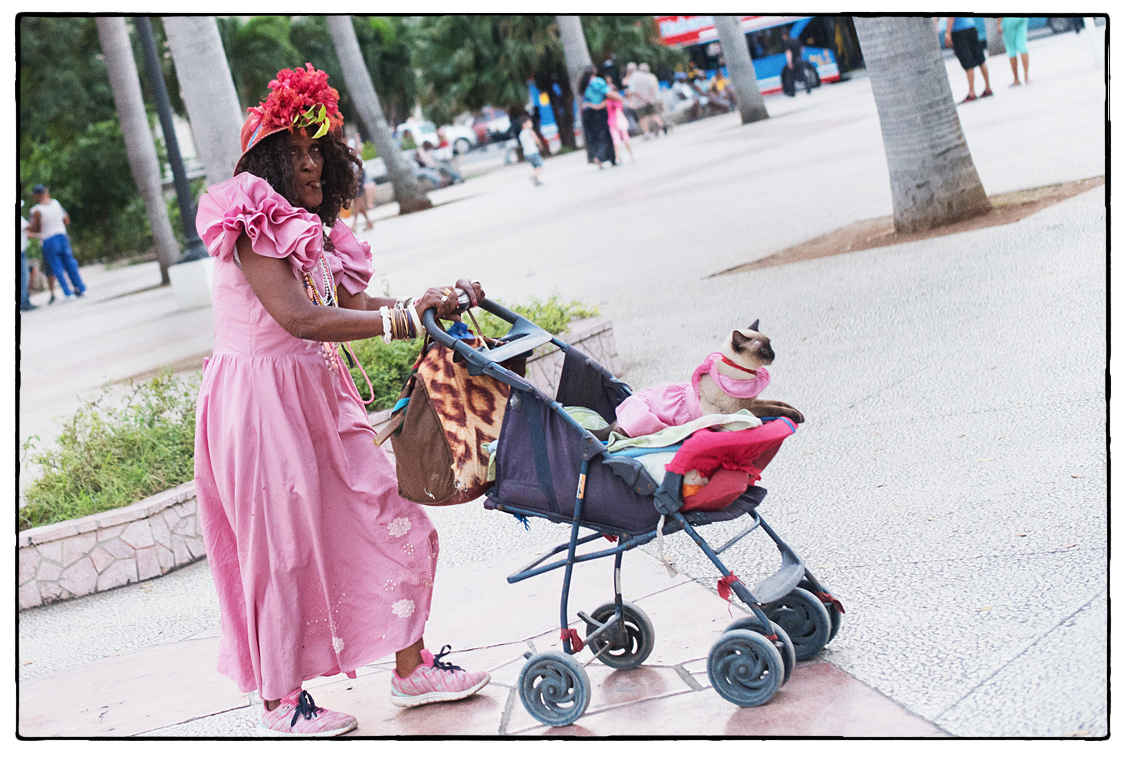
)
(174, 690)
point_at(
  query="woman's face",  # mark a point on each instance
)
(308, 163)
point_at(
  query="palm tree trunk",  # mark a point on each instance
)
(740, 69)
(208, 91)
(409, 193)
(931, 173)
(143, 163)
(576, 55)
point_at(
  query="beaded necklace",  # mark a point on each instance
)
(330, 350)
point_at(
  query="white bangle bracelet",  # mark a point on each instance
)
(387, 318)
(419, 330)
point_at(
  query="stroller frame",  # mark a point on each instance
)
(555, 689)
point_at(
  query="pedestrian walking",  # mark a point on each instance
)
(593, 115)
(652, 92)
(360, 203)
(793, 70)
(320, 566)
(963, 38)
(49, 222)
(617, 124)
(531, 146)
(25, 300)
(1013, 32)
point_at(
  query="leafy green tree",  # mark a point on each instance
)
(90, 176)
(257, 48)
(386, 44)
(63, 85)
(467, 62)
(70, 139)
(621, 39)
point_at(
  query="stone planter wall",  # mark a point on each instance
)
(152, 537)
(110, 549)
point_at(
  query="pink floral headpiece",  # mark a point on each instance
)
(299, 99)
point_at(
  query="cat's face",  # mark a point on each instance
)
(750, 348)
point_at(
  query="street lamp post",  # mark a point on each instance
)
(195, 249)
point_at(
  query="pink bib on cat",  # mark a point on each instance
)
(739, 388)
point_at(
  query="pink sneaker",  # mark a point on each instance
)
(435, 682)
(297, 716)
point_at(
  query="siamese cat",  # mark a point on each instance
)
(738, 381)
(727, 381)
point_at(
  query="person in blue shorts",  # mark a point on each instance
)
(963, 38)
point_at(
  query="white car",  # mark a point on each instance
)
(421, 132)
(461, 137)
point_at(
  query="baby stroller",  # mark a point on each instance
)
(549, 466)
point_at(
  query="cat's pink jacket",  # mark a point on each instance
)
(652, 409)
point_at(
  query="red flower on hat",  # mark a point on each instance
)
(301, 98)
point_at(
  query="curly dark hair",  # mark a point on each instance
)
(340, 176)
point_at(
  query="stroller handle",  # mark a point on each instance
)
(523, 337)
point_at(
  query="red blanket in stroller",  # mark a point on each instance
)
(731, 460)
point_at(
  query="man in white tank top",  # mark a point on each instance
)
(49, 221)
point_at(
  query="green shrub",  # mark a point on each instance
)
(114, 454)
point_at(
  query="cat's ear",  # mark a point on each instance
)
(755, 326)
(738, 340)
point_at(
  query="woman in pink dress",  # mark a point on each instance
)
(319, 564)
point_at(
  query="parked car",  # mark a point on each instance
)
(460, 136)
(492, 125)
(420, 132)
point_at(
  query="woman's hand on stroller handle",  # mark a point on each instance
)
(448, 302)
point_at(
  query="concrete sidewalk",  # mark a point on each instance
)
(174, 690)
(950, 483)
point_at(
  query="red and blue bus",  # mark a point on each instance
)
(829, 44)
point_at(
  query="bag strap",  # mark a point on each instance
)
(394, 423)
(371, 390)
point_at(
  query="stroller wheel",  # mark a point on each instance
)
(835, 615)
(803, 616)
(783, 644)
(745, 668)
(631, 645)
(554, 688)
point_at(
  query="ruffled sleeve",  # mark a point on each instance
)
(350, 259)
(248, 204)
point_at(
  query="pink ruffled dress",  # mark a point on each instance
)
(320, 565)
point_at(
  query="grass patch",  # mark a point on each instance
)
(111, 454)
